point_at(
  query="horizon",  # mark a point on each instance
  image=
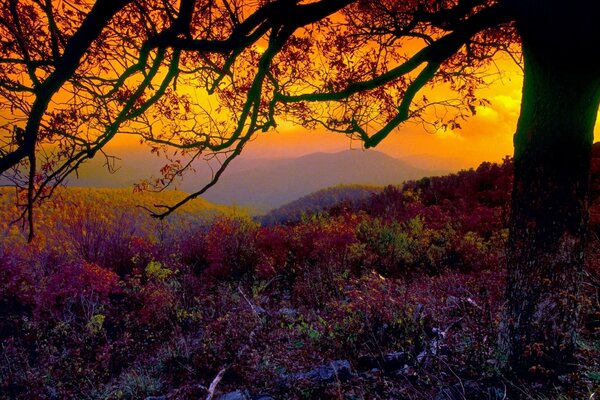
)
(268, 183)
(485, 136)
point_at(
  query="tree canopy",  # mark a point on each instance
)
(203, 77)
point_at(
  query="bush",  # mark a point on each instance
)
(75, 293)
(231, 251)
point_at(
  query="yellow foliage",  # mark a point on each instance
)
(95, 323)
(155, 270)
(87, 213)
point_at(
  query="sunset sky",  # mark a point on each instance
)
(484, 137)
(128, 104)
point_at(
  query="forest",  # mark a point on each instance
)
(396, 296)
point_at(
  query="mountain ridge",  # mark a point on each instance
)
(281, 181)
(265, 183)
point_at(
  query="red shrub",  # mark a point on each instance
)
(274, 246)
(231, 248)
(75, 292)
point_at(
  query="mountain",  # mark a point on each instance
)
(319, 201)
(277, 182)
(262, 184)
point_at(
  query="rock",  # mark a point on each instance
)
(396, 360)
(263, 397)
(312, 375)
(389, 362)
(156, 398)
(439, 333)
(422, 357)
(335, 370)
(343, 369)
(434, 346)
(237, 395)
(339, 369)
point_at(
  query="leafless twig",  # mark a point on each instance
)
(215, 382)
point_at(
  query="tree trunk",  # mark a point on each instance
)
(561, 93)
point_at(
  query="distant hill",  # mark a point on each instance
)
(83, 208)
(111, 197)
(319, 201)
(264, 184)
(277, 182)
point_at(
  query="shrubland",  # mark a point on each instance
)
(405, 288)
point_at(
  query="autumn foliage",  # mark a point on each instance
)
(109, 308)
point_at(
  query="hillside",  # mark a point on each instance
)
(277, 182)
(86, 211)
(267, 183)
(395, 297)
(321, 200)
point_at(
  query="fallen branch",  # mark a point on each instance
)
(214, 383)
(252, 306)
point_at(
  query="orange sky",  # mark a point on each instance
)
(484, 137)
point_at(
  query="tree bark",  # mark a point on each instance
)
(561, 94)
